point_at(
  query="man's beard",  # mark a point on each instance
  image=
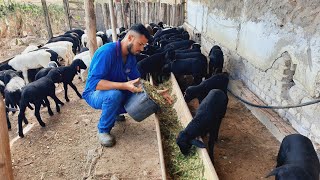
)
(129, 47)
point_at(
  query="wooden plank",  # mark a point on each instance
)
(67, 13)
(159, 139)
(47, 18)
(185, 117)
(6, 171)
(90, 18)
(173, 15)
(113, 21)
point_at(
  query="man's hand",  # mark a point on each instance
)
(134, 86)
(164, 93)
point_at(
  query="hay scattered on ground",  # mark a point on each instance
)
(178, 166)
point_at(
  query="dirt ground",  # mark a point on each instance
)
(67, 147)
(10, 47)
(245, 149)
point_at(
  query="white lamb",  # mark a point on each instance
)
(31, 60)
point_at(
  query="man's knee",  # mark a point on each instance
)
(114, 96)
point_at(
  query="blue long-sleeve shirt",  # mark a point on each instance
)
(107, 64)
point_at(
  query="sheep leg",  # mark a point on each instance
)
(57, 101)
(37, 105)
(25, 75)
(21, 116)
(65, 85)
(8, 121)
(75, 89)
(48, 106)
(43, 104)
(29, 106)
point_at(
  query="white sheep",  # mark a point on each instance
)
(31, 60)
(29, 49)
(64, 53)
(84, 40)
(65, 44)
(86, 58)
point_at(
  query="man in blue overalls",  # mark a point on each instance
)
(112, 77)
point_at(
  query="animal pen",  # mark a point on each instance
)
(108, 14)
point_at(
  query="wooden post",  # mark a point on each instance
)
(46, 16)
(147, 13)
(130, 14)
(124, 17)
(139, 20)
(183, 5)
(113, 21)
(164, 13)
(173, 15)
(118, 14)
(133, 13)
(90, 19)
(106, 19)
(5, 156)
(169, 14)
(67, 13)
(178, 16)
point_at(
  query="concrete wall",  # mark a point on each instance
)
(273, 46)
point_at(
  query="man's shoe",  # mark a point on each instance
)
(106, 139)
(120, 118)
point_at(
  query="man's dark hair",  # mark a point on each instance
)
(141, 29)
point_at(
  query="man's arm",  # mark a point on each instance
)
(130, 85)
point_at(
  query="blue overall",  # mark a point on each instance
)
(107, 64)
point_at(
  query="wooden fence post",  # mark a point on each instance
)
(67, 13)
(113, 21)
(124, 16)
(164, 13)
(91, 27)
(106, 19)
(46, 16)
(169, 14)
(5, 156)
(183, 5)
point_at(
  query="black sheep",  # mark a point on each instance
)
(218, 81)
(35, 92)
(216, 60)
(75, 38)
(207, 120)
(297, 159)
(197, 67)
(68, 73)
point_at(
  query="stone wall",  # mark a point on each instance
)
(273, 46)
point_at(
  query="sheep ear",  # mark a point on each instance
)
(198, 143)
